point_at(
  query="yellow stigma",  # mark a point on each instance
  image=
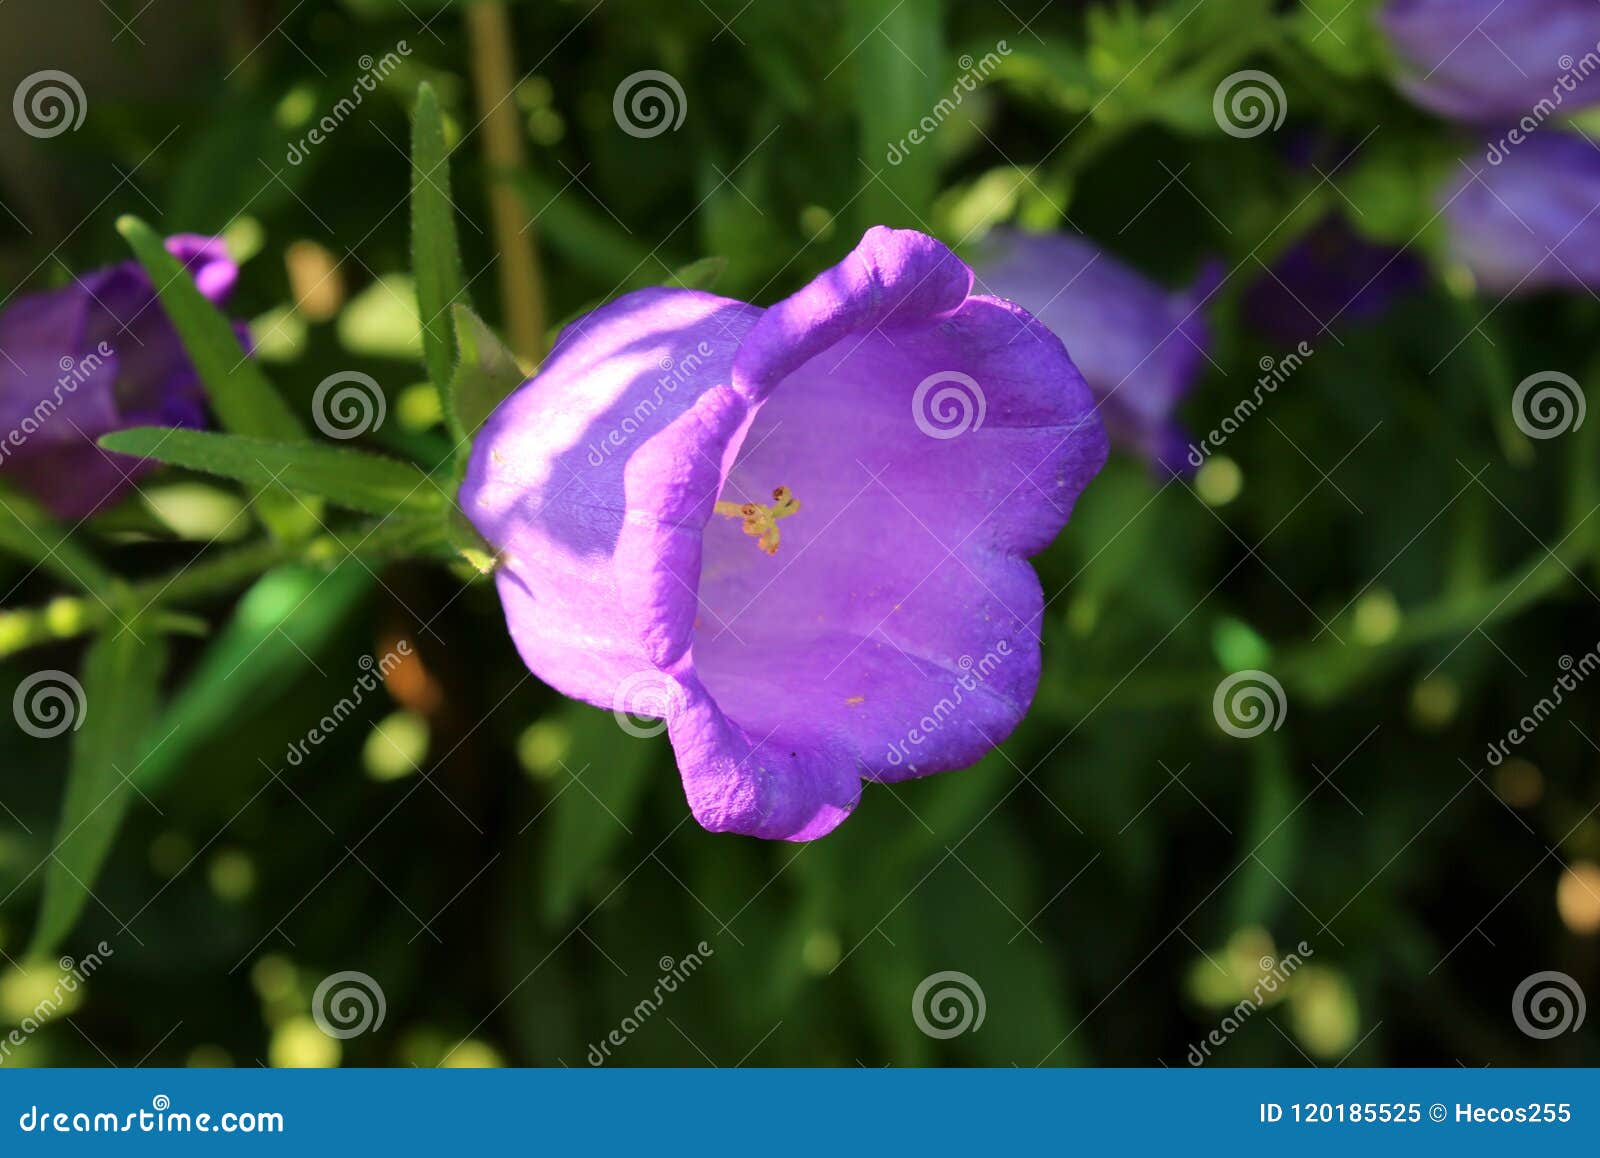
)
(760, 520)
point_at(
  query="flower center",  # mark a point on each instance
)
(761, 520)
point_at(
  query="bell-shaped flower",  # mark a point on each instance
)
(799, 534)
(1496, 60)
(92, 357)
(1532, 222)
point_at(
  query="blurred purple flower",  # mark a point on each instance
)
(1140, 347)
(887, 449)
(89, 358)
(1486, 60)
(1329, 276)
(1533, 221)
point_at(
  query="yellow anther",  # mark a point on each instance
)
(760, 520)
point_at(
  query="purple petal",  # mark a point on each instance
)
(91, 357)
(1486, 60)
(56, 398)
(1140, 347)
(895, 631)
(1531, 222)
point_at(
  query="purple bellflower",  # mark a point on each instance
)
(89, 358)
(1531, 222)
(1140, 347)
(1494, 60)
(797, 534)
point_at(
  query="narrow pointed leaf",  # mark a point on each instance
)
(240, 395)
(486, 374)
(121, 680)
(435, 254)
(288, 614)
(349, 478)
(244, 401)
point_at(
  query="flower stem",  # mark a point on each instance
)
(69, 617)
(521, 280)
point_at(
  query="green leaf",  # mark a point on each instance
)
(288, 614)
(486, 374)
(28, 531)
(241, 396)
(435, 254)
(121, 680)
(349, 478)
(599, 783)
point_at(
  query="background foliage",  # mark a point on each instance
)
(513, 868)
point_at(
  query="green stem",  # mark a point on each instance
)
(516, 241)
(68, 617)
